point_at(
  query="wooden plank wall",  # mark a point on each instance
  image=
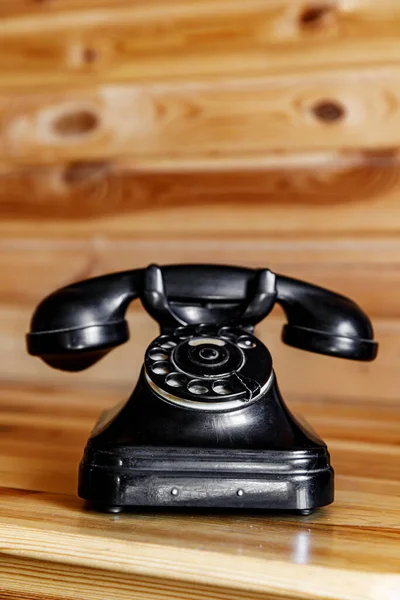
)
(264, 132)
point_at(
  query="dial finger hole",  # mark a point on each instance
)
(157, 354)
(176, 380)
(161, 368)
(197, 387)
(183, 332)
(168, 344)
(246, 342)
(228, 332)
(222, 388)
(165, 341)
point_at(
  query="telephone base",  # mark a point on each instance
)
(123, 477)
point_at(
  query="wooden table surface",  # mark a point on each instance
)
(51, 547)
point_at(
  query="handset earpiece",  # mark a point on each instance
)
(77, 325)
(324, 322)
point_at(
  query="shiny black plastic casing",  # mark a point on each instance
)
(153, 451)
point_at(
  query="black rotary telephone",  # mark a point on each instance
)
(206, 425)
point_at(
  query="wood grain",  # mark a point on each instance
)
(44, 580)
(366, 270)
(60, 43)
(349, 196)
(348, 550)
(205, 123)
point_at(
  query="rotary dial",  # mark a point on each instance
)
(208, 364)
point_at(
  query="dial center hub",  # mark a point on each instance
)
(207, 356)
(208, 353)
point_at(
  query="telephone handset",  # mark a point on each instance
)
(77, 325)
(206, 402)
